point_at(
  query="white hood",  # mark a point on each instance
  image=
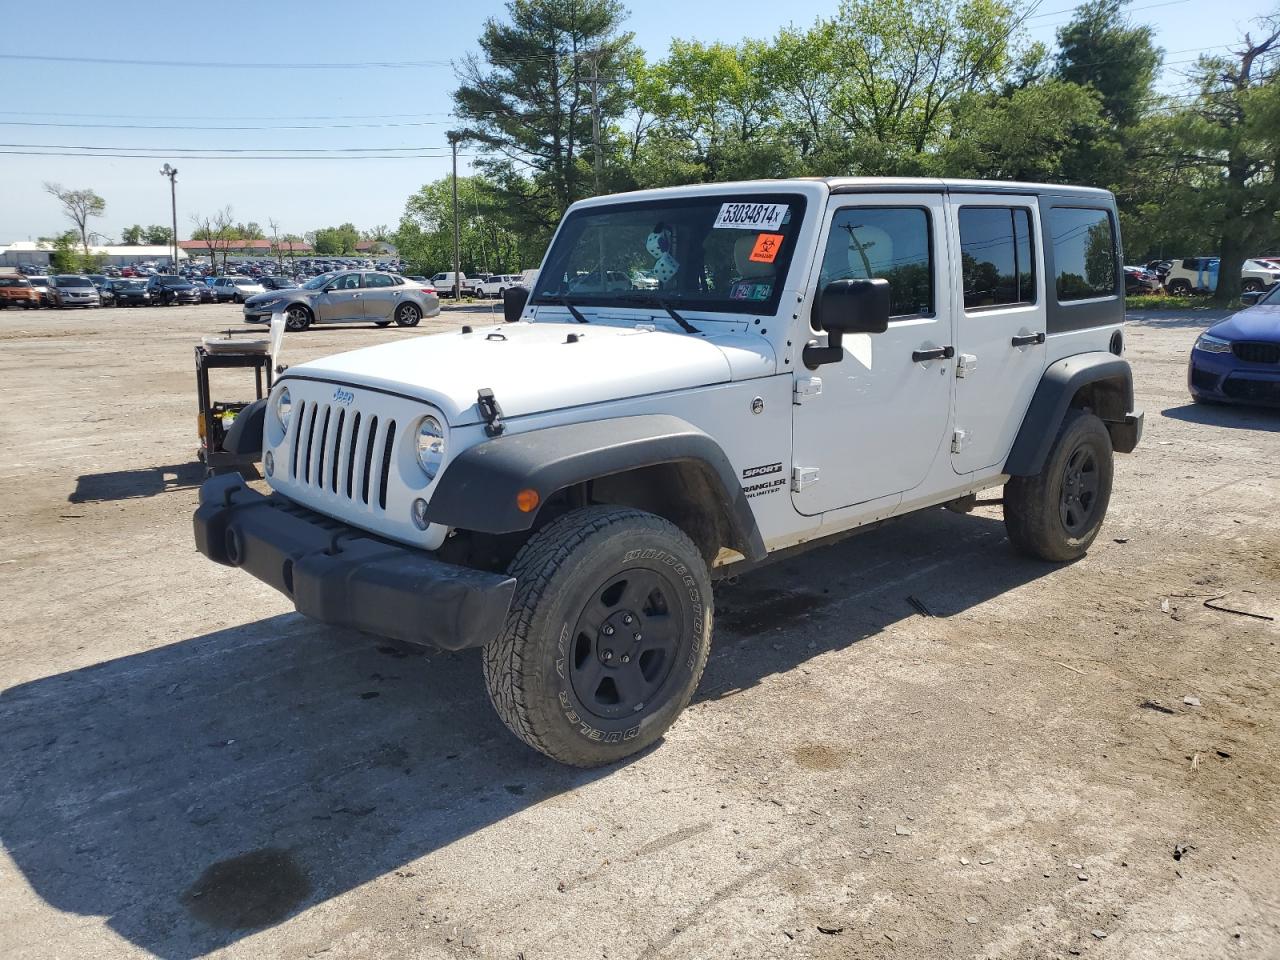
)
(535, 367)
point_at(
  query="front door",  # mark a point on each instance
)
(1000, 330)
(343, 299)
(875, 424)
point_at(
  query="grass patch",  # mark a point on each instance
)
(1163, 301)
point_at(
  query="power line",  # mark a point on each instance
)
(181, 150)
(132, 126)
(155, 156)
(277, 65)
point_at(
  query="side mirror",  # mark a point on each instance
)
(847, 306)
(513, 303)
(1251, 297)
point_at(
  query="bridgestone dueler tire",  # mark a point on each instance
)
(1032, 515)
(562, 568)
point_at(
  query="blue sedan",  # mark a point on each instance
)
(1237, 360)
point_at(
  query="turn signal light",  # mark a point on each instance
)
(528, 500)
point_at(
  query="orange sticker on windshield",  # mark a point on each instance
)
(766, 248)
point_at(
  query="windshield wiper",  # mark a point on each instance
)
(685, 325)
(566, 302)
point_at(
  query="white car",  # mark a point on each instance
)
(443, 282)
(1200, 275)
(236, 289)
(562, 488)
(497, 285)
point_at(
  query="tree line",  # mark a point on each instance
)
(561, 104)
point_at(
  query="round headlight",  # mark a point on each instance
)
(284, 406)
(430, 446)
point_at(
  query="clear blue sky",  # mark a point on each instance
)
(306, 194)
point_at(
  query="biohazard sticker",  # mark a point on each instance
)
(766, 248)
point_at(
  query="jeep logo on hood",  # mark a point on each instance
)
(343, 396)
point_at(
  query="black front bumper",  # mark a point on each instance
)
(346, 577)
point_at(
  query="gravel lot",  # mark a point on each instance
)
(188, 767)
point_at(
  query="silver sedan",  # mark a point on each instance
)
(357, 296)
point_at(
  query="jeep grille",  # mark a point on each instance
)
(342, 451)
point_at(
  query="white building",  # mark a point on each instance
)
(37, 253)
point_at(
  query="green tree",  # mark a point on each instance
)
(158, 236)
(78, 206)
(1102, 49)
(1225, 146)
(132, 236)
(487, 240)
(335, 241)
(529, 102)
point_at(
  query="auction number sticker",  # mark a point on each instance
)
(751, 216)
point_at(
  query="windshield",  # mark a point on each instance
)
(13, 282)
(74, 281)
(717, 253)
(129, 285)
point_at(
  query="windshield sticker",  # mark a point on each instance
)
(751, 216)
(745, 290)
(766, 248)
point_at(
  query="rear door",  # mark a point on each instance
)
(1000, 326)
(342, 299)
(381, 296)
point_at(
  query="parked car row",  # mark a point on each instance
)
(98, 290)
(1200, 275)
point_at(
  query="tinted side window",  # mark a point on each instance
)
(995, 256)
(1084, 252)
(378, 280)
(890, 242)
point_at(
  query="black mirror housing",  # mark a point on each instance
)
(847, 306)
(853, 306)
(513, 303)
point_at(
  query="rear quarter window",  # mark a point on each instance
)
(1084, 252)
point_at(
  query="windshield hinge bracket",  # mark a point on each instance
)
(492, 413)
(802, 477)
(806, 387)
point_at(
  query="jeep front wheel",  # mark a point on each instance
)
(607, 635)
(1056, 514)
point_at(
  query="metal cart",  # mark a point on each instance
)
(215, 417)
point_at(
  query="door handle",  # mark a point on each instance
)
(1029, 339)
(938, 353)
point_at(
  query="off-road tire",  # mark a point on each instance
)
(1034, 506)
(561, 573)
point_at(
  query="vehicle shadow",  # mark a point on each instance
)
(1226, 415)
(1198, 319)
(196, 792)
(132, 484)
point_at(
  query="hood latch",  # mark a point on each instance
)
(491, 412)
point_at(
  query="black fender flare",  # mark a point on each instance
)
(477, 490)
(245, 435)
(1059, 384)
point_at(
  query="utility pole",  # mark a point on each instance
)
(172, 174)
(594, 57)
(455, 136)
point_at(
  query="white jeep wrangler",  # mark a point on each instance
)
(563, 488)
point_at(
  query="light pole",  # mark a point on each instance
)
(172, 174)
(455, 136)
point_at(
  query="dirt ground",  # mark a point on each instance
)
(910, 744)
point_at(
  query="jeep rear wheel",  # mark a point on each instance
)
(1056, 514)
(607, 635)
(1180, 288)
